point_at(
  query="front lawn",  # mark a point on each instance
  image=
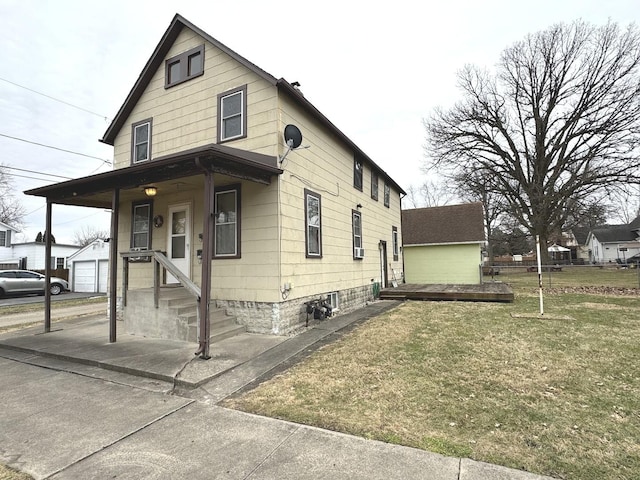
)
(558, 396)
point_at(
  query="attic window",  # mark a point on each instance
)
(183, 67)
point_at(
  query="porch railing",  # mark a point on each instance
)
(159, 259)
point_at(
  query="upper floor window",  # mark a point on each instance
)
(227, 225)
(357, 173)
(232, 114)
(5, 238)
(374, 185)
(183, 67)
(141, 141)
(396, 246)
(313, 224)
(356, 224)
(387, 194)
(141, 226)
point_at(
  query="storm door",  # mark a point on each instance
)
(178, 243)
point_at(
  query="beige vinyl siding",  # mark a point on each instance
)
(456, 264)
(185, 116)
(326, 168)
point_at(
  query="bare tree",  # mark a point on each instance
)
(430, 193)
(88, 234)
(557, 122)
(11, 210)
(625, 203)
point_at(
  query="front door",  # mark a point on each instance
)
(178, 243)
(384, 274)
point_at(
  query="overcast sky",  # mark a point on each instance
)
(374, 68)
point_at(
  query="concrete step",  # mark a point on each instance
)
(218, 332)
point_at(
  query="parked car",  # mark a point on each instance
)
(14, 282)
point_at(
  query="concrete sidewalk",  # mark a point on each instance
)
(102, 427)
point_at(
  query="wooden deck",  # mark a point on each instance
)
(487, 292)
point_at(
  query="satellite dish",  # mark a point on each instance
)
(292, 136)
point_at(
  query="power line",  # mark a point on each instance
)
(56, 99)
(33, 171)
(107, 162)
(31, 178)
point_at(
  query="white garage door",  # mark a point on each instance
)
(84, 276)
(103, 275)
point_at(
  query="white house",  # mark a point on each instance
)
(32, 255)
(614, 243)
(89, 268)
(7, 258)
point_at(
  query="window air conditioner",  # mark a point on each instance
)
(358, 252)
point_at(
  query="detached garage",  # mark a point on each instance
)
(89, 268)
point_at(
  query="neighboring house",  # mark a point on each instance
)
(202, 132)
(443, 244)
(7, 259)
(580, 250)
(89, 268)
(32, 255)
(614, 243)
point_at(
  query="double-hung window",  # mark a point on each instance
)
(387, 194)
(141, 213)
(232, 114)
(5, 238)
(396, 247)
(313, 224)
(357, 173)
(374, 185)
(356, 224)
(227, 224)
(141, 141)
(185, 66)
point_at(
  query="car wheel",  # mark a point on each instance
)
(55, 289)
(1, 292)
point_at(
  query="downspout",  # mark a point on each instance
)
(113, 253)
(47, 270)
(207, 257)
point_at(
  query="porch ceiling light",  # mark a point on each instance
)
(150, 191)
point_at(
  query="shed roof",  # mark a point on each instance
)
(448, 224)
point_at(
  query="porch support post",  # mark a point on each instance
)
(207, 256)
(113, 254)
(47, 270)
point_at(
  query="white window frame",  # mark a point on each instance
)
(242, 114)
(356, 235)
(134, 232)
(3, 238)
(334, 301)
(135, 141)
(222, 218)
(396, 246)
(308, 195)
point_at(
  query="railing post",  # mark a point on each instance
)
(156, 282)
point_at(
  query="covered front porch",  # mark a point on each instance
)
(113, 189)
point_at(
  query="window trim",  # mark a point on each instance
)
(358, 180)
(183, 60)
(374, 183)
(221, 96)
(225, 189)
(354, 214)
(3, 238)
(135, 205)
(134, 143)
(387, 194)
(307, 194)
(395, 243)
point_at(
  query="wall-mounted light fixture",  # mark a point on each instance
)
(150, 191)
(359, 206)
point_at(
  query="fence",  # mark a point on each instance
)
(562, 276)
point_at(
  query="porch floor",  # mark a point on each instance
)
(487, 292)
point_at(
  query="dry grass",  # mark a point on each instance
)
(7, 473)
(553, 396)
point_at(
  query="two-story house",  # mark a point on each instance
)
(206, 181)
(7, 258)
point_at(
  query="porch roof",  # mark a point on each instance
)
(96, 190)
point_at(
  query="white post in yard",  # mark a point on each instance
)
(539, 273)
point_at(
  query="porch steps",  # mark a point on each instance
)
(184, 307)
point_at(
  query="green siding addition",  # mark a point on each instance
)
(456, 264)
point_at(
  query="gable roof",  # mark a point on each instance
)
(614, 234)
(448, 224)
(157, 60)
(4, 226)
